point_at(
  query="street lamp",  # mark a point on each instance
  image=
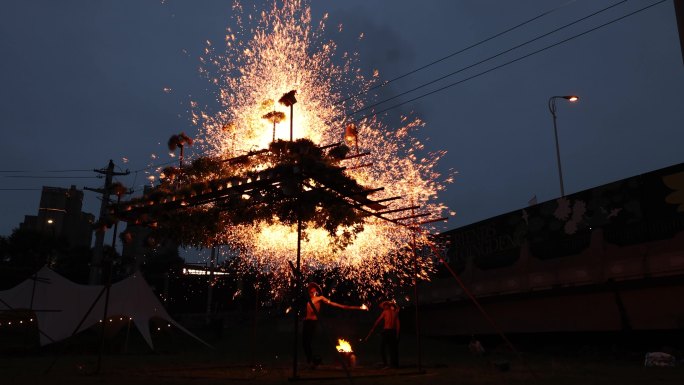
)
(552, 109)
(51, 223)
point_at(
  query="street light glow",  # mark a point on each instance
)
(552, 109)
(49, 221)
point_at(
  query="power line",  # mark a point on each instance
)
(487, 59)
(509, 62)
(49, 177)
(67, 170)
(23, 171)
(453, 54)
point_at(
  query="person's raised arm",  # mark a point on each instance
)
(377, 321)
(346, 307)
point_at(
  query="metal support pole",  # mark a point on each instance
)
(291, 120)
(415, 298)
(210, 287)
(96, 261)
(296, 293)
(108, 284)
(552, 109)
(679, 12)
(116, 226)
(254, 320)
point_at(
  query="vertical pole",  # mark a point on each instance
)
(254, 325)
(291, 119)
(116, 225)
(96, 263)
(274, 120)
(415, 298)
(679, 12)
(33, 294)
(210, 288)
(297, 283)
(274, 124)
(296, 295)
(107, 272)
(552, 108)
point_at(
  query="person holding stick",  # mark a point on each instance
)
(390, 333)
(311, 319)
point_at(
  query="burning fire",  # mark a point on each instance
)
(343, 346)
(280, 50)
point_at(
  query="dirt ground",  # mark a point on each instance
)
(264, 356)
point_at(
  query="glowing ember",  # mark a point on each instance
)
(286, 52)
(343, 346)
(364, 307)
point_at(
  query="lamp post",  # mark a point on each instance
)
(552, 109)
(288, 100)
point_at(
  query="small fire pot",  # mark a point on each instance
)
(349, 359)
(346, 353)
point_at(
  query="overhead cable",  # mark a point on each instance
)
(487, 59)
(508, 62)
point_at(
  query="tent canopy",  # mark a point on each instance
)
(61, 304)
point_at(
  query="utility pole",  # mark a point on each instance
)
(96, 261)
(210, 287)
(679, 13)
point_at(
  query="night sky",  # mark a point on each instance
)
(82, 82)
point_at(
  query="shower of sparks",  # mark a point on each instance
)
(280, 50)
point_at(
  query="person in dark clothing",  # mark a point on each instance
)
(390, 333)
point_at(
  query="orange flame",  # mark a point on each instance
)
(343, 346)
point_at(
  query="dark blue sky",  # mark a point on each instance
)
(82, 82)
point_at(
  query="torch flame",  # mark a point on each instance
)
(343, 346)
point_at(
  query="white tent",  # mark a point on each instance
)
(60, 304)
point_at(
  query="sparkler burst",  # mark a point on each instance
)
(282, 49)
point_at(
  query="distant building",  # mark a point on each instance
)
(60, 215)
(610, 258)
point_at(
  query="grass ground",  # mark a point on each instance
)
(265, 357)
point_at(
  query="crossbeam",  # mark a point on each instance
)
(412, 216)
(397, 210)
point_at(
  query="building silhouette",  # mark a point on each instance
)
(610, 258)
(60, 215)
